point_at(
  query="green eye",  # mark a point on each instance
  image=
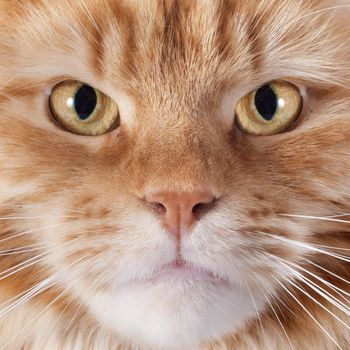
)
(269, 110)
(83, 110)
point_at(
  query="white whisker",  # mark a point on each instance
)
(48, 306)
(80, 304)
(317, 302)
(330, 272)
(330, 285)
(82, 287)
(310, 314)
(21, 266)
(32, 231)
(331, 247)
(20, 251)
(321, 218)
(345, 308)
(25, 264)
(37, 317)
(256, 308)
(37, 206)
(338, 216)
(336, 289)
(10, 218)
(321, 292)
(274, 311)
(307, 247)
(33, 262)
(23, 249)
(34, 291)
(18, 296)
(272, 291)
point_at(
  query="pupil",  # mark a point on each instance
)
(85, 101)
(266, 102)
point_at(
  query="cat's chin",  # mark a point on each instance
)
(174, 314)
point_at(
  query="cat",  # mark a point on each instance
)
(174, 174)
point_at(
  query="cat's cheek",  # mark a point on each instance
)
(174, 315)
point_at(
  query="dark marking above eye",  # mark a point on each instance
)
(266, 102)
(85, 101)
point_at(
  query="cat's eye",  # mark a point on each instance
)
(83, 110)
(269, 110)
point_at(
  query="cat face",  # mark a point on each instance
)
(176, 226)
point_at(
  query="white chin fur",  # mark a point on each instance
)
(173, 314)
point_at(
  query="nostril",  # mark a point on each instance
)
(201, 208)
(158, 208)
(197, 208)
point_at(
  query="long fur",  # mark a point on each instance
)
(78, 242)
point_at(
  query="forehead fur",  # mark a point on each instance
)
(214, 43)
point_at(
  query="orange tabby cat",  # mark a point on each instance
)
(174, 174)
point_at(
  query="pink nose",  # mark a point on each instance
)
(180, 210)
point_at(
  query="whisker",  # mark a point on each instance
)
(38, 316)
(29, 294)
(321, 292)
(307, 246)
(97, 282)
(16, 297)
(80, 304)
(66, 307)
(37, 206)
(310, 217)
(32, 231)
(317, 290)
(33, 262)
(50, 331)
(336, 289)
(10, 218)
(47, 307)
(23, 265)
(330, 272)
(331, 247)
(256, 308)
(337, 216)
(272, 291)
(275, 313)
(310, 314)
(345, 308)
(23, 249)
(330, 285)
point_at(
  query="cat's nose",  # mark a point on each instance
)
(180, 210)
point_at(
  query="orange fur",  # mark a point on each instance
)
(176, 70)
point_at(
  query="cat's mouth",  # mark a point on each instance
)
(185, 271)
